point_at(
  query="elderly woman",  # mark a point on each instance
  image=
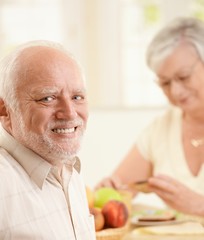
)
(170, 151)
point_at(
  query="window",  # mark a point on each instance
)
(28, 20)
(140, 20)
(123, 30)
(109, 37)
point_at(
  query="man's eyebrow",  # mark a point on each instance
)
(54, 90)
(81, 90)
(48, 90)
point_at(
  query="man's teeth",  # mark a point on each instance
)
(64, 130)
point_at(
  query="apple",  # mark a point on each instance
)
(104, 195)
(127, 197)
(115, 214)
(90, 197)
(99, 219)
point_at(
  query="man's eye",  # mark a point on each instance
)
(78, 97)
(47, 99)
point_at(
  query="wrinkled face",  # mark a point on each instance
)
(52, 113)
(181, 77)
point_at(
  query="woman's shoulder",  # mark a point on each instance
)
(169, 116)
(167, 121)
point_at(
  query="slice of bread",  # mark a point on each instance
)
(142, 186)
(161, 215)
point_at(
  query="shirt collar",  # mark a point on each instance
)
(35, 166)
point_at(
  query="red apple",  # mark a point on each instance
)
(99, 219)
(115, 213)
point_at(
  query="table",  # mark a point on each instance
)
(131, 235)
(162, 237)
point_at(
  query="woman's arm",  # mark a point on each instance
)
(131, 169)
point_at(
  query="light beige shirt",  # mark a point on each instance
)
(36, 203)
(161, 143)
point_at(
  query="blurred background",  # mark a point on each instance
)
(109, 38)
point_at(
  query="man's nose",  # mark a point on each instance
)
(66, 110)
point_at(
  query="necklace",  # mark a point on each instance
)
(197, 142)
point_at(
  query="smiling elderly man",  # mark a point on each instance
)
(43, 113)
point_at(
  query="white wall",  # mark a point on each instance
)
(110, 133)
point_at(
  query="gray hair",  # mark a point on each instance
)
(190, 30)
(9, 67)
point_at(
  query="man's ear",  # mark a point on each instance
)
(3, 109)
(4, 114)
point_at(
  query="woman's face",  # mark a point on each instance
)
(181, 77)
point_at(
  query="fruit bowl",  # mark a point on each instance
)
(112, 233)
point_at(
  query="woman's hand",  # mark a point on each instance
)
(177, 195)
(111, 181)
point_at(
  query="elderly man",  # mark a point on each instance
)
(43, 114)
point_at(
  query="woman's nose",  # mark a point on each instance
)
(66, 110)
(176, 88)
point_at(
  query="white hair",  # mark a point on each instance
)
(10, 65)
(189, 30)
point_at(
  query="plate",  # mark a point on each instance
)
(154, 217)
(136, 222)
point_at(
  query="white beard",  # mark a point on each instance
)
(44, 146)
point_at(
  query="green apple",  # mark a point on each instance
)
(105, 194)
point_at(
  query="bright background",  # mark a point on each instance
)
(109, 38)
